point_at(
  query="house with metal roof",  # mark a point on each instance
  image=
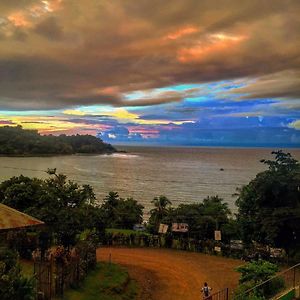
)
(12, 219)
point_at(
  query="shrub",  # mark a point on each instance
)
(12, 284)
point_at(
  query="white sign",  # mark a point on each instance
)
(277, 252)
(163, 228)
(217, 235)
(180, 227)
(217, 249)
(236, 244)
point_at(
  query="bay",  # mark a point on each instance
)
(184, 175)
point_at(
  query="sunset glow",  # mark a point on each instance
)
(193, 73)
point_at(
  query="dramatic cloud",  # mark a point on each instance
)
(50, 29)
(285, 84)
(64, 51)
(161, 71)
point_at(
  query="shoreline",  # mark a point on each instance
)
(59, 154)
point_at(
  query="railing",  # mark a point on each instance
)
(269, 289)
(220, 295)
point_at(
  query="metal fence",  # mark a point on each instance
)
(220, 295)
(275, 286)
(54, 276)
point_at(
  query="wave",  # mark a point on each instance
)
(121, 155)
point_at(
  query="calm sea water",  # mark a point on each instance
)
(184, 175)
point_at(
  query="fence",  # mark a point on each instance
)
(184, 242)
(55, 275)
(155, 241)
(44, 278)
(221, 295)
(275, 286)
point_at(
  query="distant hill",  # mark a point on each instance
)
(17, 141)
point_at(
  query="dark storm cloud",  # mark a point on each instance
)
(73, 52)
(50, 28)
(7, 6)
(280, 85)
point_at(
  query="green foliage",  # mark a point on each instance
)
(273, 287)
(240, 292)
(12, 284)
(17, 141)
(66, 207)
(257, 271)
(125, 232)
(269, 206)
(160, 211)
(121, 213)
(203, 218)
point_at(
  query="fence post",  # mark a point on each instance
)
(227, 294)
(294, 277)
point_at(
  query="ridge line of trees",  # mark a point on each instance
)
(17, 141)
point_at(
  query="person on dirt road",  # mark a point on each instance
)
(206, 291)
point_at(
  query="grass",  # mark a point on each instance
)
(106, 282)
(26, 268)
(125, 231)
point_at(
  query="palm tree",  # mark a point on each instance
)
(161, 209)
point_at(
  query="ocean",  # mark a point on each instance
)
(184, 175)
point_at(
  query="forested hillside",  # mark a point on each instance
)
(18, 141)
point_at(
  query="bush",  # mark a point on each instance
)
(239, 293)
(12, 284)
(273, 287)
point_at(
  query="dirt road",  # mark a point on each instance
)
(170, 274)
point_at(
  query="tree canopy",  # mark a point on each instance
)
(257, 271)
(269, 206)
(203, 218)
(117, 212)
(66, 207)
(160, 211)
(18, 141)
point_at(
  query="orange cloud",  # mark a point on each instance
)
(19, 19)
(182, 32)
(216, 43)
(28, 16)
(53, 5)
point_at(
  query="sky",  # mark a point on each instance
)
(192, 72)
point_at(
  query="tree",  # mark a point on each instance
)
(109, 208)
(203, 218)
(269, 206)
(216, 209)
(160, 211)
(257, 271)
(121, 213)
(18, 141)
(63, 205)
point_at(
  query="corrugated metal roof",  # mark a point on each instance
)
(12, 219)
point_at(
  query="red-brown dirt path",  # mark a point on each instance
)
(165, 274)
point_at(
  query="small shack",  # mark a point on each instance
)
(12, 219)
(13, 223)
